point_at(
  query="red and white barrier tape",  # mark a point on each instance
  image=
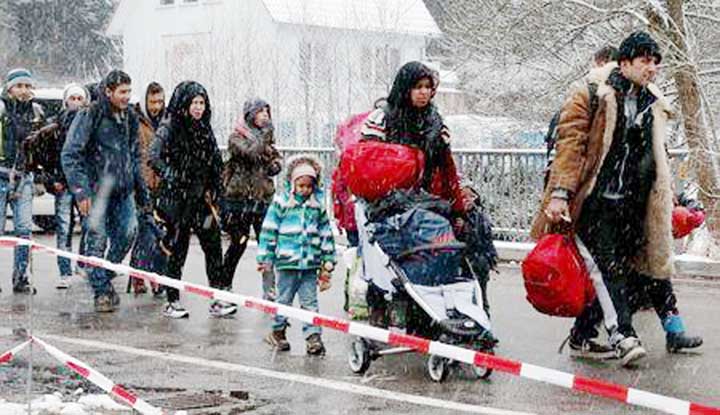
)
(10, 354)
(100, 380)
(591, 386)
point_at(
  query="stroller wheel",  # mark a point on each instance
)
(482, 372)
(438, 368)
(359, 357)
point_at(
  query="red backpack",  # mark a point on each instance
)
(556, 279)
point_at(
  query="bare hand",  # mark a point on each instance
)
(264, 267)
(557, 210)
(84, 207)
(324, 281)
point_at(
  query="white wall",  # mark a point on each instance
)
(237, 51)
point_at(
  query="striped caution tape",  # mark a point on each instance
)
(87, 372)
(10, 354)
(591, 386)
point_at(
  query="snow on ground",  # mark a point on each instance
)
(54, 404)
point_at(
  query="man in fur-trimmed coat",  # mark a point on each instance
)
(610, 186)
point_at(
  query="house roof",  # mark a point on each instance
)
(122, 13)
(397, 16)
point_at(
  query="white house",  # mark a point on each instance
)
(315, 61)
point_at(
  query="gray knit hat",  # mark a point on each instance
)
(18, 76)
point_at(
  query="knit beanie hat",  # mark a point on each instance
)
(18, 76)
(74, 89)
(302, 169)
(639, 44)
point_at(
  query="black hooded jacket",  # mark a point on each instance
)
(185, 153)
(408, 125)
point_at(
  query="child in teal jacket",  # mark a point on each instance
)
(297, 241)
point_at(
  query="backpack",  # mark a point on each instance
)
(551, 136)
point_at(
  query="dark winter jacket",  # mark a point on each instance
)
(185, 154)
(101, 152)
(45, 147)
(253, 158)
(399, 122)
(477, 234)
(17, 121)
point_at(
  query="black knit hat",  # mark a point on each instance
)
(639, 44)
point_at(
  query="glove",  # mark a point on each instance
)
(324, 281)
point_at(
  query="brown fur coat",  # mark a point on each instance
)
(581, 150)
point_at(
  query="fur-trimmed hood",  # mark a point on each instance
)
(318, 197)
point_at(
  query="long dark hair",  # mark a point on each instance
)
(420, 127)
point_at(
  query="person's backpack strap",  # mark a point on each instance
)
(552, 135)
(594, 100)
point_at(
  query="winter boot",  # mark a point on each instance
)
(314, 345)
(103, 304)
(675, 339)
(277, 339)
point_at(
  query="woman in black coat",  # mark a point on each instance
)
(186, 157)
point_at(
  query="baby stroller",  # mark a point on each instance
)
(446, 308)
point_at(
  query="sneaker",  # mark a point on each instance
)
(222, 309)
(590, 349)
(175, 310)
(63, 283)
(104, 304)
(314, 345)
(674, 342)
(24, 288)
(277, 339)
(630, 350)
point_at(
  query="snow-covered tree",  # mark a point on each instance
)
(63, 37)
(520, 56)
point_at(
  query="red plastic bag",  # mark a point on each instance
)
(372, 169)
(348, 133)
(686, 220)
(556, 279)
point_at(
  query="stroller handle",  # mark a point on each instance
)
(431, 247)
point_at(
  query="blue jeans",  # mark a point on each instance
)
(304, 284)
(112, 219)
(20, 200)
(63, 229)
